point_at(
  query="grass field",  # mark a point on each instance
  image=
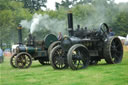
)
(101, 74)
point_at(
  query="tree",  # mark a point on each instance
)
(11, 15)
(68, 4)
(33, 5)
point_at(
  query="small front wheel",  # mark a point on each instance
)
(12, 60)
(23, 60)
(78, 57)
(58, 58)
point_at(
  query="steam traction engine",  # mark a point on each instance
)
(32, 50)
(84, 47)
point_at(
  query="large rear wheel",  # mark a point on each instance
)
(58, 58)
(113, 50)
(78, 57)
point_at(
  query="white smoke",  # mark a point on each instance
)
(93, 17)
(35, 22)
(25, 24)
(40, 22)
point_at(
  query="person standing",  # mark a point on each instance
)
(1, 56)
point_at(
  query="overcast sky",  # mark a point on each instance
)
(51, 3)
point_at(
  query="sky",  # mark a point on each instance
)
(118, 1)
(51, 3)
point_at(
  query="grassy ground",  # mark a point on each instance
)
(101, 74)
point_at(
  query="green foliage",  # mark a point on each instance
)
(4, 4)
(11, 15)
(121, 23)
(85, 13)
(40, 35)
(33, 5)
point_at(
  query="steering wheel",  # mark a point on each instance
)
(104, 29)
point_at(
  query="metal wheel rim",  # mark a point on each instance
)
(12, 60)
(52, 46)
(23, 60)
(78, 59)
(116, 50)
(59, 59)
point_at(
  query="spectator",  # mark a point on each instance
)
(1, 56)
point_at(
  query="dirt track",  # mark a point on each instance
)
(126, 48)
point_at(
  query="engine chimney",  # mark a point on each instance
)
(20, 34)
(70, 24)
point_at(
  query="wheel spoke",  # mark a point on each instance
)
(58, 60)
(78, 59)
(119, 52)
(116, 57)
(118, 46)
(78, 63)
(23, 60)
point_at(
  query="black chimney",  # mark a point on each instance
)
(20, 34)
(70, 24)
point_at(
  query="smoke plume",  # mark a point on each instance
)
(40, 22)
(93, 14)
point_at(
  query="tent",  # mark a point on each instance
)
(122, 39)
(126, 40)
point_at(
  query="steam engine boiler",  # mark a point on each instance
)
(32, 50)
(83, 47)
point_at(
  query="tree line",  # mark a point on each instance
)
(86, 13)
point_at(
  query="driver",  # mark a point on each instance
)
(111, 33)
(60, 36)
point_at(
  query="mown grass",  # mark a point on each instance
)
(101, 74)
